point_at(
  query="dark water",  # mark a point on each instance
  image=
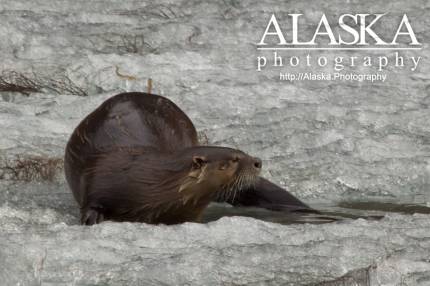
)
(329, 213)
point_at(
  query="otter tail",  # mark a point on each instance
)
(265, 194)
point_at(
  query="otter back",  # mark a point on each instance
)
(127, 120)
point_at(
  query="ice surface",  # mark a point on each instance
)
(241, 251)
(324, 141)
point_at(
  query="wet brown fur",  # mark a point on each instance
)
(145, 185)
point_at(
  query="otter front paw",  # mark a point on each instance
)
(91, 216)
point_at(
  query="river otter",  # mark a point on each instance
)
(133, 132)
(148, 186)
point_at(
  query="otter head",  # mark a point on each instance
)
(219, 170)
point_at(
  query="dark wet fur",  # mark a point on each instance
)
(267, 195)
(143, 185)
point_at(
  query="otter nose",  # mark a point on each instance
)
(257, 163)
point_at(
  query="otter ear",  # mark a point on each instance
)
(198, 162)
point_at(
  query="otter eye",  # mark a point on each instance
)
(236, 159)
(223, 166)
